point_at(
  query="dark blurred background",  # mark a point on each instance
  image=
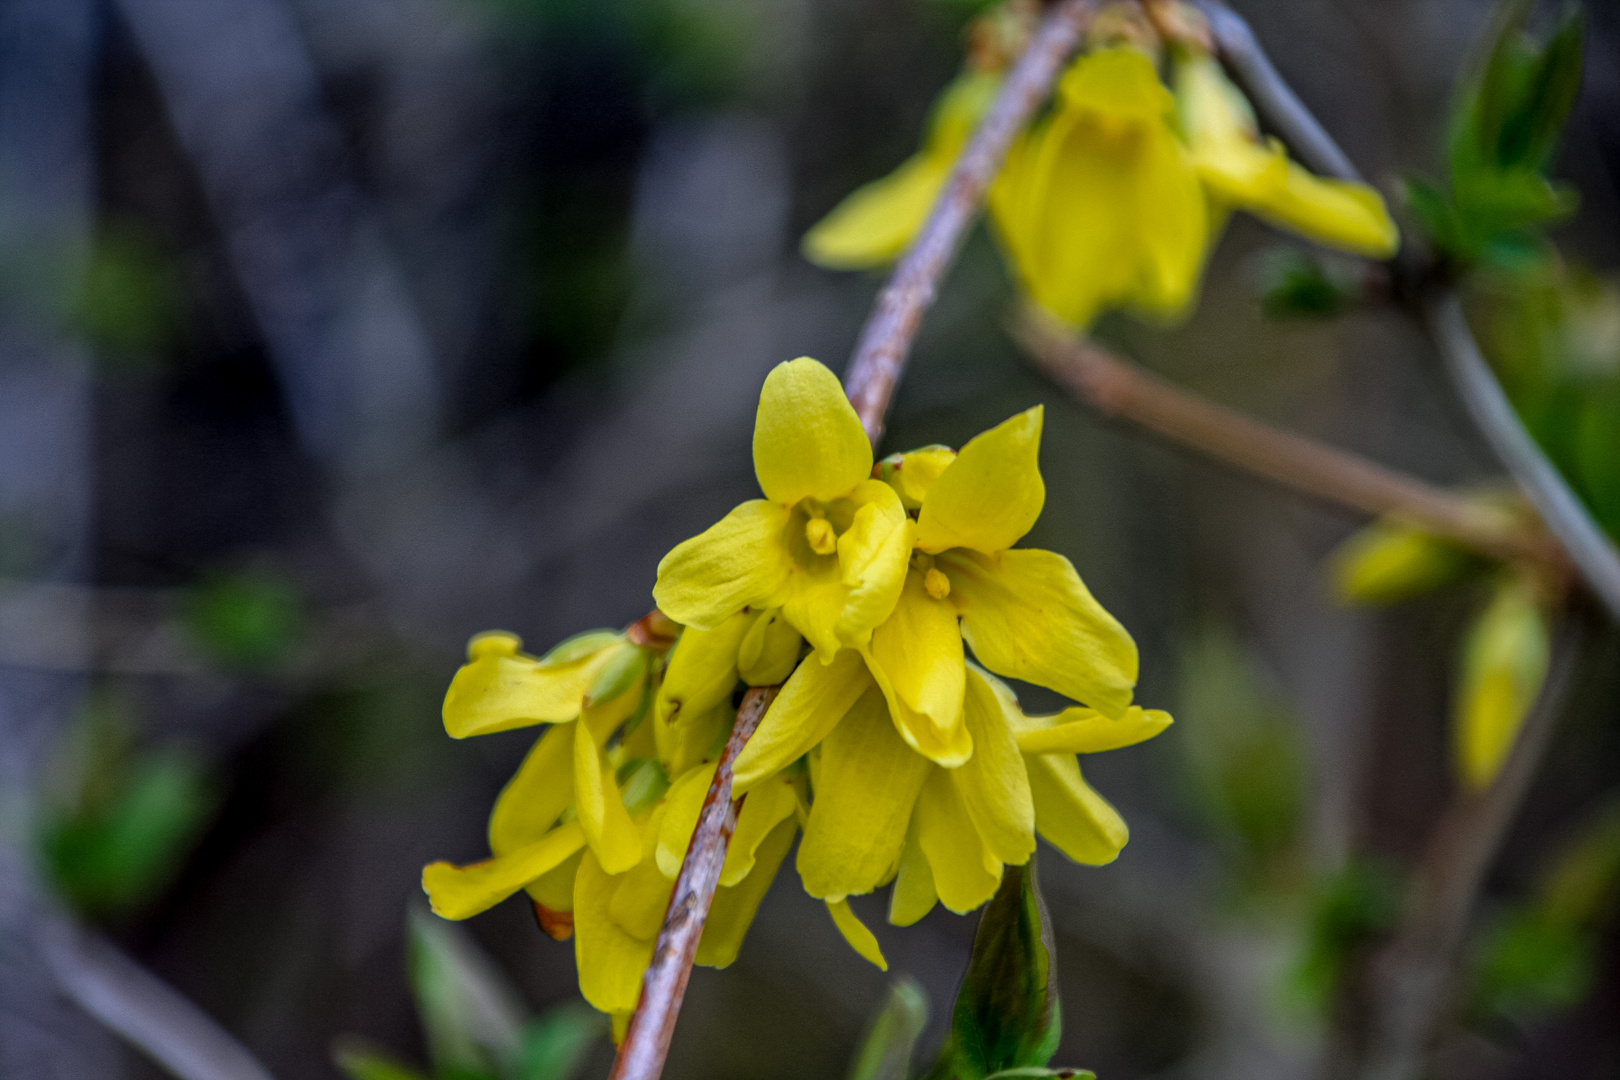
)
(334, 331)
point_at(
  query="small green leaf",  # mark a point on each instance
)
(1007, 1010)
(1294, 284)
(360, 1061)
(581, 644)
(1532, 134)
(1031, 1071)
(470, 1014)
(555, 1045)
(885, 1052)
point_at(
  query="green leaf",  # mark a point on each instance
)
(1532, 134)
(246, 621)
(1347, 910)
(1062, 1074)
(471, 1016)
(1294, 284)
(1007, 1010)
(360, 1061)
(885, 1052)
(555, 1045)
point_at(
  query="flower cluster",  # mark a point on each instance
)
(861, 588)
(1115, 198)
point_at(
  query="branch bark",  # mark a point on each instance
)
(880, 355)
(1115, 387)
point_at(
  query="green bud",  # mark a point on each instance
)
(1389, 561)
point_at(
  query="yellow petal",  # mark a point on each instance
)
(683, 746)
(809, 706)
(738, 562)
(855, 932)
(1079, 730)
(702, 669)
(916, 658)
(1341, 214)
(1505, 661)
(808, 442)
(991, 494)
(462, 892)
(865, 790)
(764, 808)
(912, 475)
(610, 961)
(734, 906)
(876, 222)
(682, 806)
(1028, 616)
(641, 899)
(913, 895)
(813, 603)
(993, 783)
(608, 829)
(769, 650)
(532, 801)
(501, 689)
(872, 556)
(965, 872)
(555, 888)
(1073, 817)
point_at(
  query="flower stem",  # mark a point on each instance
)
(874, 370)
(1116, 387)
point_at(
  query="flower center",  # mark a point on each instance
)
(819, 532)
(937, 584)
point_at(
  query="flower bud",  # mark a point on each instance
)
(1504, 664)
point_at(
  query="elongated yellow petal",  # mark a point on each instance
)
(855, 932)
(702, 669)
(532, 801)
(767, 806)
(734, 905)
(965, 872)
(876, 222)
(990, 496)
(738, 562)
(813, 603)
(682, 805)
(608, 829)
(872, 556)
(1073, 817)
(610, 961)
(641, 899)
(1504, 664)
(769, 650)
(866, 788)
(993, 783)
(1079, 730)
(500, 689)
(913, 895)
(1028, 616)
(555, 888)
(1339, 213)
(811, 703)
(916, 657)
(696, 737)
(808, 442)
(462, 892)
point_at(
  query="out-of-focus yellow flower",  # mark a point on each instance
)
(1504, 664)
(877, 222)
(1390, 560)
(1242, 171)
(827, 546)
(1026, 613)
(1100, 205)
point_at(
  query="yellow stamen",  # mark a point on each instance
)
(819, 531)
(937, 584)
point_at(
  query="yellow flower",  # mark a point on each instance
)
(1100, 205)
(1240, 170)
(1505, 661)
(876, 223)
(827, 546)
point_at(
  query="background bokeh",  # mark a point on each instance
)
(334, 331)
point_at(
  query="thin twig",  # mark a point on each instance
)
(1411, 979)
(652, 1025)
(1116, 387)
(880, 355)
(1589, 547)
(142, 1008)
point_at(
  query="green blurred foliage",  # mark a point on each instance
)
(1006, 1014)
(119, 817)
(885, 1051)
(1245, 762)
(246, 621)
(132, 303)
(1540, 956)
(1505, 127)
(1347, 911)
(476, 1028)
(1296, 284)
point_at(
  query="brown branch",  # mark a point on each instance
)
(663, 987)
(1411, 979)
(1116, 387)
(874, 370)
